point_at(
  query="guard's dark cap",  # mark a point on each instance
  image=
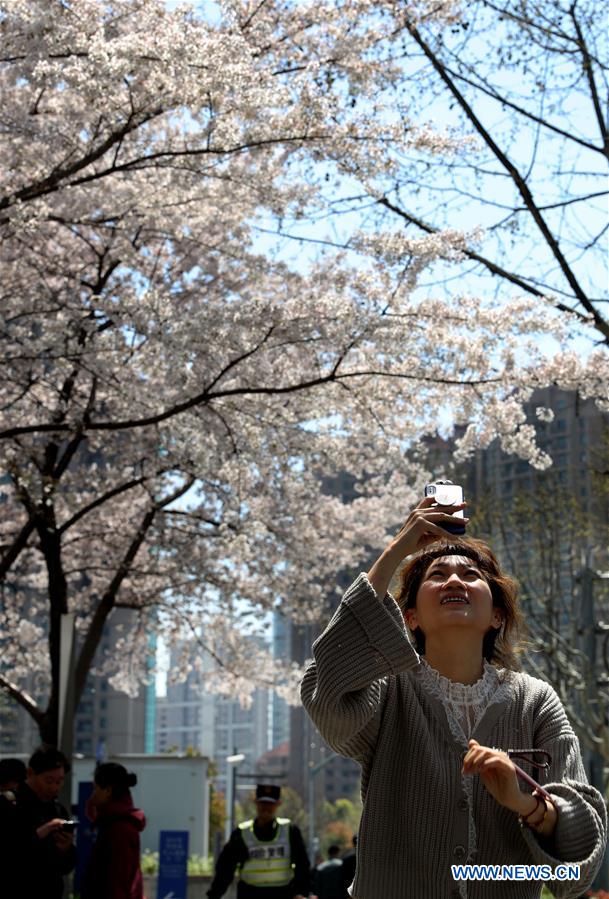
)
(268, 792)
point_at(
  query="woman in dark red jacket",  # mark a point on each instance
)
(113, 871)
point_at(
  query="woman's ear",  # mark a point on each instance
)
(410, 617)
(497, 618)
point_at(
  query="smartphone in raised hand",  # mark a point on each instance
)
(445, 493)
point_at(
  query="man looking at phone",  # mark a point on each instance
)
(43, 838)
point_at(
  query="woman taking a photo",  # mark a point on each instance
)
(113, 871)
(430, 720)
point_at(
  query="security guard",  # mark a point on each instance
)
(268, 852)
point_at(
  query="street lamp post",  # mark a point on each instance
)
(66, 699)
(231, 778)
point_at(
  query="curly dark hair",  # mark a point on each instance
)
(500, 646)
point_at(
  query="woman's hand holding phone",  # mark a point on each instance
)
(424, 525)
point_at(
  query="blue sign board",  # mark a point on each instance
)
(173, 860)
(85, 832)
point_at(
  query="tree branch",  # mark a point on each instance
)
(205, 398)
(490, 92)
(589, 73)
(110, 494)
(487, 263)
(517, 179)
(24, 699)
(18, 545)
(52, 181)
(108, 600)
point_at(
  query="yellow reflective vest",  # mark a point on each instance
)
(269, 863)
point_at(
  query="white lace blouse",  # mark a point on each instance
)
(464, 704)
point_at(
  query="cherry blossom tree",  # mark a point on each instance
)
(172, 389)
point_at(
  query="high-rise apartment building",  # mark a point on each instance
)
(577, 439)
(109, 722)
(241, 731)
(185, 719)
(189, 718)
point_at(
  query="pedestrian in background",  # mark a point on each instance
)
(348, 869)
(268, 853)
(43, 838)
(12, 774)
(113, 870)
(431, 719)
(327, 881)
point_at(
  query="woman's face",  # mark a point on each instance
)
(453, 593)
(100, 795)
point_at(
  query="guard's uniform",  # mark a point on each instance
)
(268, 863)
(272, 862)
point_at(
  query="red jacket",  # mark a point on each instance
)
(113, 871)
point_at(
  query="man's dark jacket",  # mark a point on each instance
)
(235, 853)
(8, 818)
(38, 866)
(327, 879)
(348, 871)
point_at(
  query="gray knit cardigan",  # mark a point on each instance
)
(363, 693)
